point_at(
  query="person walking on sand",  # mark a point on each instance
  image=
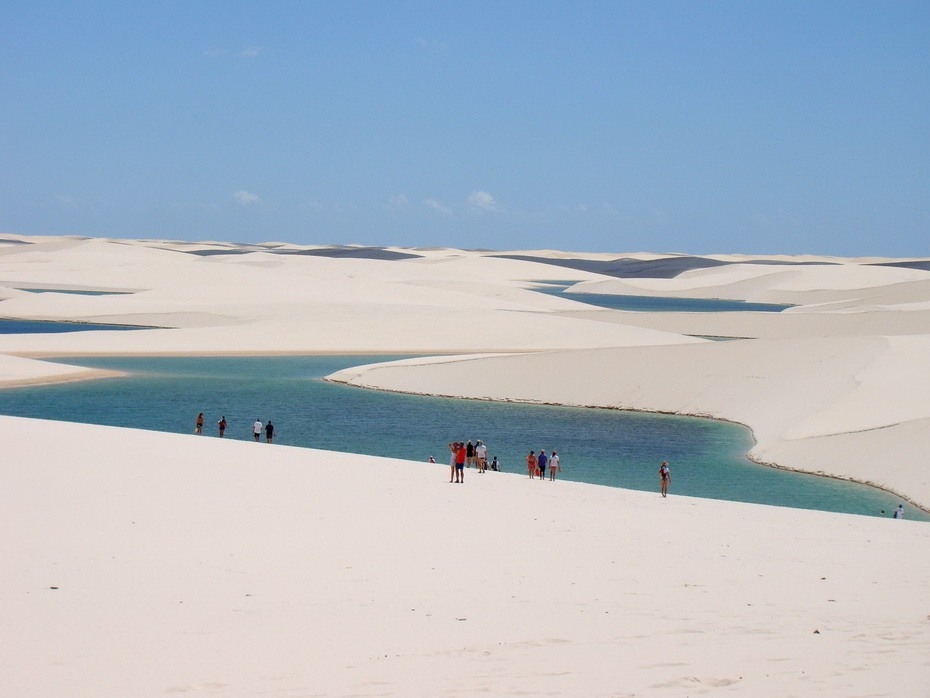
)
(269, 431)
(222, 426)
(555, 465)
(541, 463)
(899, 512)
(257, 429)
(531, 464)
(665, 477)
(199, 428)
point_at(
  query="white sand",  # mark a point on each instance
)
(192, 565)
(197, 566)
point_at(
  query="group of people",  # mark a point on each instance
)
(268, 429)
(257, 428)
(462, 454)
(536, 466)
(466, 454)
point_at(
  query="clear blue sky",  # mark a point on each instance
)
(757, 127)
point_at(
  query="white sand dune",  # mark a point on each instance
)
(15, 370)
(193, 565)
(804, 284)
(262, 302)
(154, 564)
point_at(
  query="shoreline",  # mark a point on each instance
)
(99, 374)
(92, 374)
(765, 464)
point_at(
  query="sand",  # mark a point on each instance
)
(187, 564)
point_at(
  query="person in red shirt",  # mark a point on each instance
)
(531, 465)
(457, 461)
(460, 456)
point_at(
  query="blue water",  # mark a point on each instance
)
(655, 304)
(43, 326)
(621, 449)
(76, 292)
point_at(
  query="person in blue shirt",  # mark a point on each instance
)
(541, 464)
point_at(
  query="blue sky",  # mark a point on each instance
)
(701, 127)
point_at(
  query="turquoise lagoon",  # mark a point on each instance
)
(11, 326)
(605, 447)
(656, 304)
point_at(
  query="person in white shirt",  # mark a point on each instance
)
(554, 465)
(257, 429)
(899, 512)
(481, 454)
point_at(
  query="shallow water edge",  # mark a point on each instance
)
(749, 456)
(271, 379)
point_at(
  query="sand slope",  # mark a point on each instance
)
(187, 565)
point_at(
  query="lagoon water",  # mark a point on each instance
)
(658, 304)
(607, 447)
(9, 326)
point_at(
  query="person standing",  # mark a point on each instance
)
(665, 477)
(453, 452)
(198, 429)
(222, 426)
(257, 429)
(554, 465)
(481, 455)
(541, 463)
(899, 512)
(269, 431)
(460, 457)
(469, 453)
(531, 464)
